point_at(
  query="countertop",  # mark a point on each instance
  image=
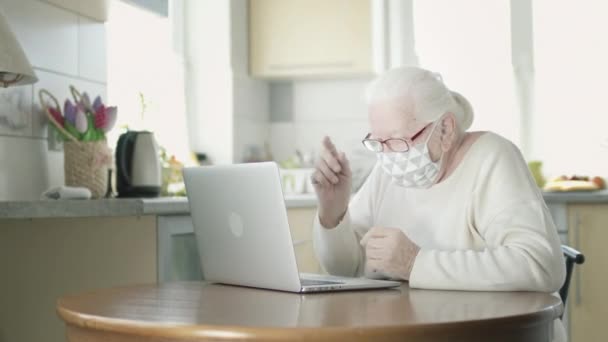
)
(93, 208)
(179, 205)
(116, 207)
(599, 196)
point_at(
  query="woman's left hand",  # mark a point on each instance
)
(389, 253)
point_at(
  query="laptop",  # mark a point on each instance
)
(242, 233)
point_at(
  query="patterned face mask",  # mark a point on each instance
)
(414, 168)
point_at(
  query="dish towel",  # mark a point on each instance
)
(66, 192)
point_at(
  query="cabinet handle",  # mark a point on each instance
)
(342, 64)
(578, 295)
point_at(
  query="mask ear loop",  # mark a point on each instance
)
(433, 130)
(429, 138)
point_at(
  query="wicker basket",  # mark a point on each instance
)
(86, 165)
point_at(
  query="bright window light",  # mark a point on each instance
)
(146, 76)
(469, 43)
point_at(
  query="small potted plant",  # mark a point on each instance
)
(83, 126)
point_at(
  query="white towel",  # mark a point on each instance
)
(66, 192)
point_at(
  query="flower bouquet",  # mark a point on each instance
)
(83, 126)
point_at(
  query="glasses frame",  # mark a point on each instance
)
(408, 141)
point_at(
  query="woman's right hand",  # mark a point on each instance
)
(332, 182)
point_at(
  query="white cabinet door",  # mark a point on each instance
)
(310, 38)
(300, 223)
(178, 257)
(587, 300)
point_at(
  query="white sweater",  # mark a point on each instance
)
(486, 227)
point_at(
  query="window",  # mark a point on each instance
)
(571, 62)
(146, 76)
(469, 43)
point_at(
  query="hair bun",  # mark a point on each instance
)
(467, 109)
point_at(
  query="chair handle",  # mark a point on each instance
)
(577, 257)
(573, 254)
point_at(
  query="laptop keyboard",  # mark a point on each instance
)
(311, 282)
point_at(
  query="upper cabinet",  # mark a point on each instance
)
(294, 39)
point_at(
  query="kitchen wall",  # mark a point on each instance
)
(250, 97)
(65, 49)
(227, 109)
(302, 112)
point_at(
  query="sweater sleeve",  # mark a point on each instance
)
(522, 249)
(338, 249)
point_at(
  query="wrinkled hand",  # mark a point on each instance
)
(332, 181)
(389, 253)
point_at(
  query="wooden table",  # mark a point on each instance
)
(197, 311)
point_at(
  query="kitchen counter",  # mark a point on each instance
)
(179, 205)
(116, 207)
(95, 208)
(600, 196)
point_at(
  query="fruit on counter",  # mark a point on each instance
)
(575, 183)
(570, 185)
(573, 177)
(599, 181)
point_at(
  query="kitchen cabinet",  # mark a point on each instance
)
(43, 259)
(178, 257)
(300, 223)
(310, 38)
(587, 299)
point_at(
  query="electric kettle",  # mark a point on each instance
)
(138, 170)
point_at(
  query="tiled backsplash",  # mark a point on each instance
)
(15, 114)
(65, 49)
(315, 109)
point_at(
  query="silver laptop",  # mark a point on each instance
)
(241, 229)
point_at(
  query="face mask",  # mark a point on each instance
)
(414, 168)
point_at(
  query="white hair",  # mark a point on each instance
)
(425, 92)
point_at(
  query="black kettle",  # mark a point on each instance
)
(138, 169)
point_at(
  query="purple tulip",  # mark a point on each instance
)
(69, 112)
(97, 103)
(110, 118)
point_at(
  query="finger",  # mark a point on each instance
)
(376, 251)
(331, 161)
(377, 232)
(373, 253)
(375, 243)
(319, 178)
(345, 164)
(368, 236)
(329, 146)
(325, 170)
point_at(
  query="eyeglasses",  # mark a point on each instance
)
(393, 144)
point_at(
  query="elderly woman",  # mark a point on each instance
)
(443, 208)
